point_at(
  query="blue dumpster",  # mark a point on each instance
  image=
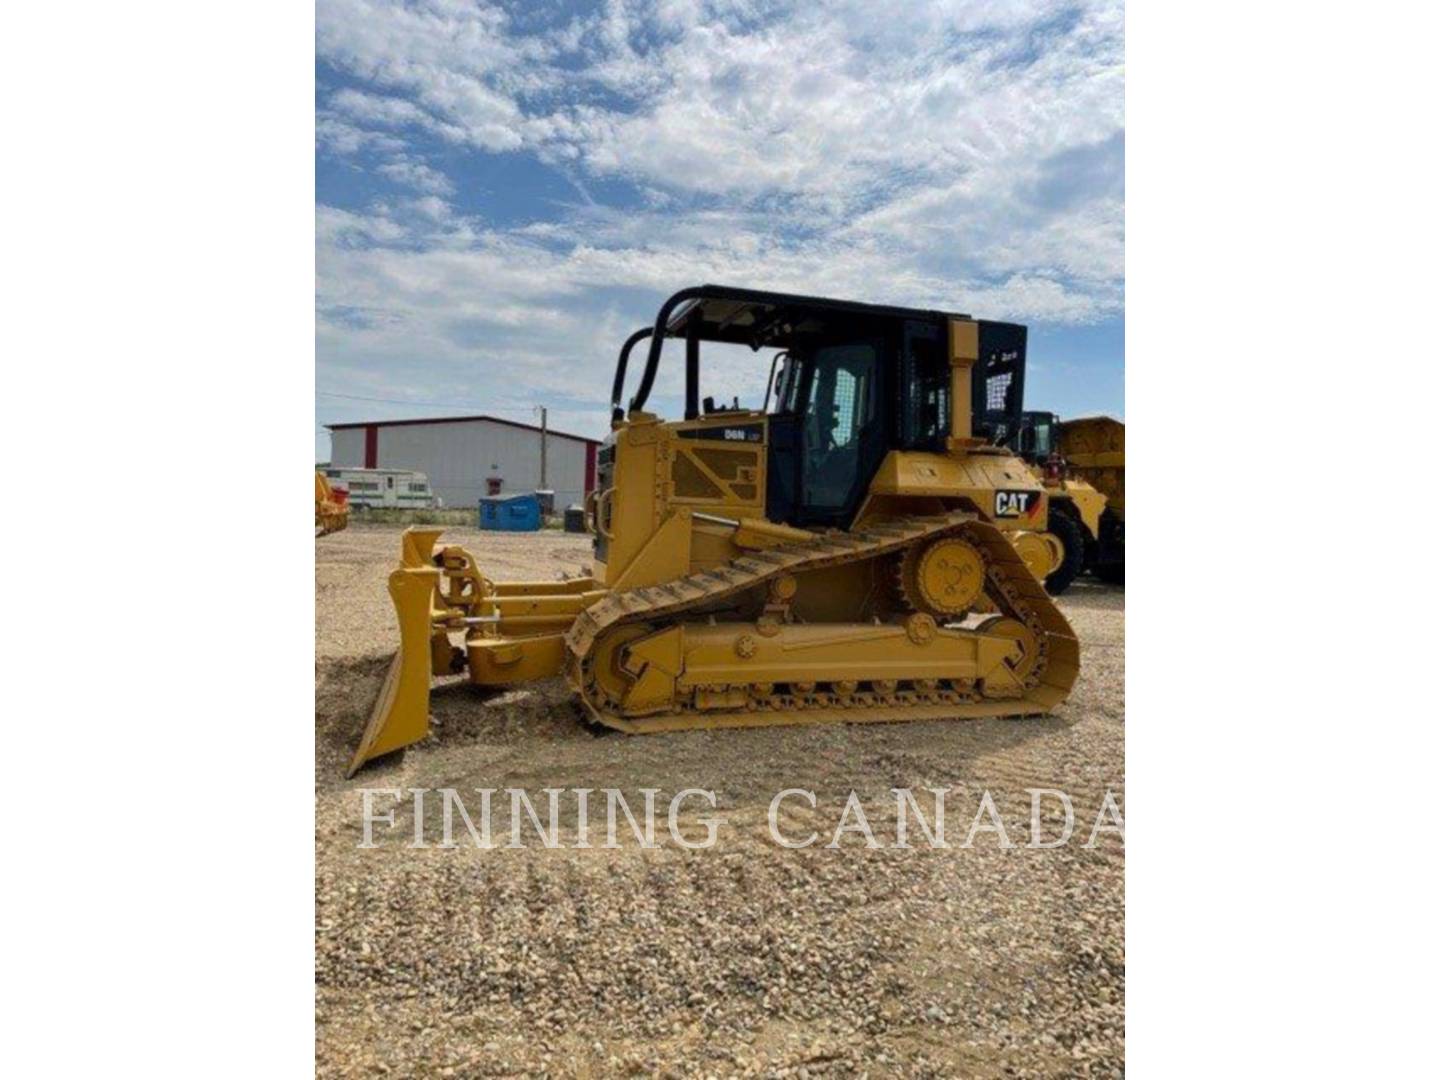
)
(511, 513)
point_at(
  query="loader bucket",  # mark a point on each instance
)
(402, 711)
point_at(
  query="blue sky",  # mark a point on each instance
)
(505, 190)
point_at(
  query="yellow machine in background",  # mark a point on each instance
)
(1081, 462)
(332, 513)
(1094, 452)
(851, 551)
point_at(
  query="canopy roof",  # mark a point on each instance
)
(759, 319)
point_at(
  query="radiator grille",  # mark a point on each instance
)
(691, 483)
(726, 464)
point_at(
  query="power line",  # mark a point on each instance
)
(423, 404)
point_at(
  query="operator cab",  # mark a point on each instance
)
(849, 383)
(1037, 437)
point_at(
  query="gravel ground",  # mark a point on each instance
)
(745, 958)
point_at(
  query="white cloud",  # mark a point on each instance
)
(454, 57)
(418, 175)
(345, 138)
(391, 112)
(336, 229)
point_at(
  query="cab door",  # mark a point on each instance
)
(840, 431)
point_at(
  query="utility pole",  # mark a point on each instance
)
(544, 426)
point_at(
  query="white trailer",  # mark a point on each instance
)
(406, 489)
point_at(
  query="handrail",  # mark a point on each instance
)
(602, 512)
(657, 339)
(618, 387)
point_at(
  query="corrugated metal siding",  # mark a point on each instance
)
(347, 448)
(458, 457)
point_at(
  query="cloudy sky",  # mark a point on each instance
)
(505, 190)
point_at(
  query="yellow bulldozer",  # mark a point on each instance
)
(852, 551)
(1081, 462)
(332, 512)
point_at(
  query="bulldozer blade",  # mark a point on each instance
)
(402, 711)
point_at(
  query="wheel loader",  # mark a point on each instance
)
(852, 551)
(1081, 461)
(332, 512)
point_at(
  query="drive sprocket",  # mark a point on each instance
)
(944, 578)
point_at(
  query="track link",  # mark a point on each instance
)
(1010, 587)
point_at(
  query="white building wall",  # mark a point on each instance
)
(347, 448)
(457, 457)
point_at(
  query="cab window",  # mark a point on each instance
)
(1042, 440)
(839, 407)
(925, 406)
(786, 391)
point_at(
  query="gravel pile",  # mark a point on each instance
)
(742, 959)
